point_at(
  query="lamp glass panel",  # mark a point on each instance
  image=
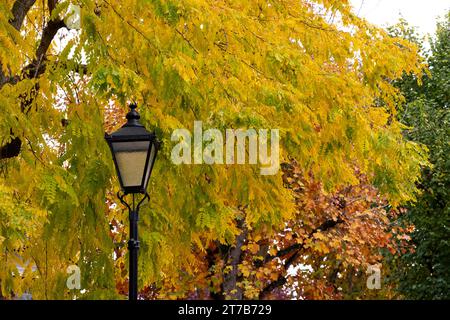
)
(131, 158)
(151, 159)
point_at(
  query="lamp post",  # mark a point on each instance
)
(134, 152)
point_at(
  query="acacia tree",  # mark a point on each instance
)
(312, 69)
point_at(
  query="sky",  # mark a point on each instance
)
(419, 13)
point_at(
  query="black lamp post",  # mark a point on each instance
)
(134, 152)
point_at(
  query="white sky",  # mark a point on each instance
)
(419, 13)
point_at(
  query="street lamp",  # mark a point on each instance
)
(134, 152)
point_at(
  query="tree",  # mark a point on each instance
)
(312, 69)
(424, 273)
(314, 255)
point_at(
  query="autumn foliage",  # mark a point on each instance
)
(312, 69)
(314, 255)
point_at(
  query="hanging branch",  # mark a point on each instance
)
(31, 71)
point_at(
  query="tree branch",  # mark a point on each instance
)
(11, 149)
(48, 34)
(51, 5)
(132, 26)
(296, 248)
(187, 40)
(19, 11)
(229, 286)
(31, 71)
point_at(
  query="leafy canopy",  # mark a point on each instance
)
(424, 273)
(312, 69)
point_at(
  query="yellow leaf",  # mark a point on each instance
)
(254, 248)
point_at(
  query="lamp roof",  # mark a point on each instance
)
(132, 130)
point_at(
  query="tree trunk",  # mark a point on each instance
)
(230, 278)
